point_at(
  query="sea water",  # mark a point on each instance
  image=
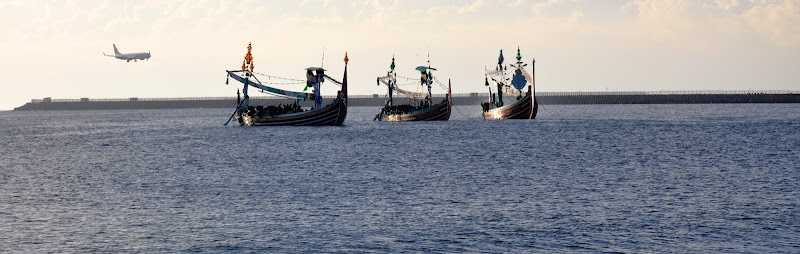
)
(583, 178)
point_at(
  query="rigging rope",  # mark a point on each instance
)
(406, 78)
(333, 80)
(292, 81)
(440, 83)
(276, 77)
(283, 83)
(465, 115)
(269, 90)
(407, 84)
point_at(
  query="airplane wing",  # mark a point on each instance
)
(104, 53)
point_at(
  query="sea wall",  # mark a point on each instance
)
(670, 99)
(546, 98)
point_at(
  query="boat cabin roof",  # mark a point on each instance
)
(423, 68)
(315, 69)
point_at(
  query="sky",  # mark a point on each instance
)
(54, 48)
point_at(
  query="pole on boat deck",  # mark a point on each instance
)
(533, 70)
(391, 91)
(317, 93)
(392, 82)
(498, 102)
(430, 82)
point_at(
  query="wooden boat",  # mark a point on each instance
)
(438, 112)
(332, 114)
(421, 109)
(525, 107)
(520, 109)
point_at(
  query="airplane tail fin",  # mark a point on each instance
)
(116, 52)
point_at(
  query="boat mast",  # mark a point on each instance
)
(247, 64)
(317, 91)
(533, 83)
(429, 81)
(520, 64)
(392, 82)
(499, 101)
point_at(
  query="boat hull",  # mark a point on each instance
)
(331, 115)
(438, 112)
(525, 108)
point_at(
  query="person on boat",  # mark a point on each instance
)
(315, 81)
(500, 60)
(310, 79)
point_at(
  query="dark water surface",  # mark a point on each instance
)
(591, 178)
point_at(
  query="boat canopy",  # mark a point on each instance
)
(267, 89)
(411, 94)
(424, 68)
(415, 95)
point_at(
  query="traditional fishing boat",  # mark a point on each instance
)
(525, 106)
(291, 114)
(420, 107)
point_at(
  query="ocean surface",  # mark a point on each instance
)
(721, 178)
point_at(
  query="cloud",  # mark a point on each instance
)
(635, 34)
(681, 22)
(378, 11)
(658, 8)
(539, 7)
(475, 6)
(305, 3)
(777, 21)
(439, 11)
(515, 3)
(726, 4)
(442, 10)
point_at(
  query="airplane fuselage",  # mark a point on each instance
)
(133, 56)
(129, 56)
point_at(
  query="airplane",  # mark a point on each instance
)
(129, 56)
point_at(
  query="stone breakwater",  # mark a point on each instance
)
(546, 98)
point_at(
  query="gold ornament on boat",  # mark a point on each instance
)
(248, 58)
